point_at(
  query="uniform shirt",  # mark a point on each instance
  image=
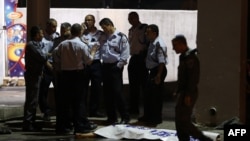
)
(34, 57)
(48, 46)
(188, 72)
(93, 39)
(157, 53)
(137, 39)
(51, 37)
(115, 48)
(57, 41)
(48, 41)
(71, 54)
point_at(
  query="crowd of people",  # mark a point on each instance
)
(82, 56)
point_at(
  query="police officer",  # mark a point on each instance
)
(64, 34)
(114, 52)
(156, 61)
(35, 61)
(137, 71)
(72, 54)
(48, 76)
(93, 72)
(187, 90)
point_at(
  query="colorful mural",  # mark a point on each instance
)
(16, 39)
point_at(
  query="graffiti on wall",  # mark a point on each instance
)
(16, 39)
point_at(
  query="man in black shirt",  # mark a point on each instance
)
(187, 90)
(35, 61)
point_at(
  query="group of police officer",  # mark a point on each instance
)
(91, 55)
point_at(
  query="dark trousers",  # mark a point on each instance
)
(184, 126)
(113, 94)
(71, 101)
(137, 75)
(94, 75)
(32, 84)
(61, 116)
(153, 102)
(47, 79)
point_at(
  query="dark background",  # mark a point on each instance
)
(122, 4)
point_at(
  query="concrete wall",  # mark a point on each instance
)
(170, 22)
(222, 46)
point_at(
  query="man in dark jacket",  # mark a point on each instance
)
(35, 61)
(187, 90)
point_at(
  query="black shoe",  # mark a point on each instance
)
(46, 117)
(31, 128)
(134, 111)
(110, 122)
(124, 121)
(89, 127)
(96, 114)
(143, 119)
(63, 131)
(159, 121)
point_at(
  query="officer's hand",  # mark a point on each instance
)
(49, 66)
(157, 80)
(49, 54)
(94, 49)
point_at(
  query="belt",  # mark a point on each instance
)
(68, 71)
(155, 69)
(110, 64)
(96, 61)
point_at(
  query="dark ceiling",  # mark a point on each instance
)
(122, 4)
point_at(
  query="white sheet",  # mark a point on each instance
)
(139, 132)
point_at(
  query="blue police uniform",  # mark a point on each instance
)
(46, 81)
(72, 54)
(153, 103)
(114, 53)
(93, 74)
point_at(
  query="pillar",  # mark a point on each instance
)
(222, 43)
(38, 12)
